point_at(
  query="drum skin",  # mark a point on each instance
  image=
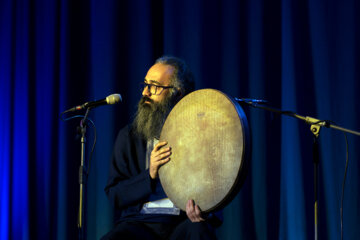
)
(209, 137)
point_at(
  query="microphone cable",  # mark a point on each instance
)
(87, 170)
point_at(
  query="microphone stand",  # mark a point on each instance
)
(111, 99)
(315, 125)
(82, 179)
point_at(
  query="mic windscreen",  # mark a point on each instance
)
(113, 98)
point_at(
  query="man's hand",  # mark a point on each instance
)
(159, 156)
(193, 212)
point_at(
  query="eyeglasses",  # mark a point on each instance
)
(154, 89)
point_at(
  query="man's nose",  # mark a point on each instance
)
(146, 91)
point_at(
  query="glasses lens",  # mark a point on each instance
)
(155, 90)
(150, 87)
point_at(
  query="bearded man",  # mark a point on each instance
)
(142, 210)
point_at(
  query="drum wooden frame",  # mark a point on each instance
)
(210, 140)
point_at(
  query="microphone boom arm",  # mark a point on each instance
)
(307, 119)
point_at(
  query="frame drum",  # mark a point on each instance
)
(209, 137)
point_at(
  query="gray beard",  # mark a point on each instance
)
(151, 117)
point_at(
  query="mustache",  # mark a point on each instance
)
(144, 99)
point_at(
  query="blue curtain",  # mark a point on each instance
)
(299, 55)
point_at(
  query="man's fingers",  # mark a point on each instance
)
(190, 210)
(159, 145)
(162, 151)
(189, 206)
(154, 167)
(161, 162)
(160, 157)
(158, 150)
(198, 213)
(164, 155)
(193, 211)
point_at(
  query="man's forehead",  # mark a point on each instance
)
(159, 74)
(152, 81)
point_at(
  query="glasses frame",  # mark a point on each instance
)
(155, 92)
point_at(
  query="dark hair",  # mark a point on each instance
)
(183, 78)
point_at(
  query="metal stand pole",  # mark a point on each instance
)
(315, 129)
(82, 180)
(82, 190)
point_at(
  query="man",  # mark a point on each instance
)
(142, 209)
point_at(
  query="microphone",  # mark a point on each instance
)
(111, 99)
(251, 100)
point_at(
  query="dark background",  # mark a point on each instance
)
(299, 55)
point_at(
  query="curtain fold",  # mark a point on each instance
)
(301, 56)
